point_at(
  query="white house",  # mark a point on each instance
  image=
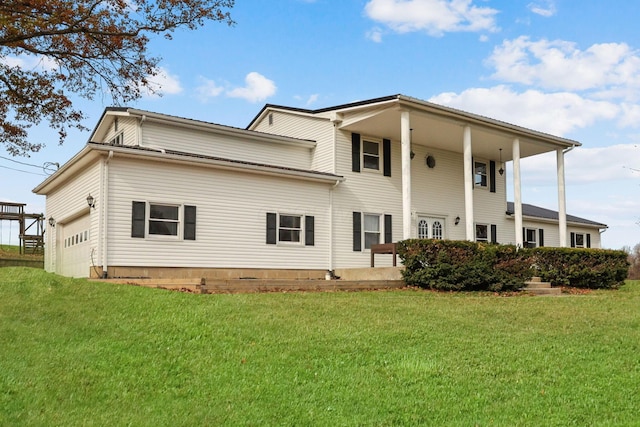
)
(296, 191)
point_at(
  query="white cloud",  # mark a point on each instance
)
(609, 70)
(375, 35)
(208, 89)
(163, 83)
(544, 8)
(554, 113)
(312, 99)
(258, 88)
(30, 62)
(435, 17)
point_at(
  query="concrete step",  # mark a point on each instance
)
(536, 286)
(543, 291)
(211, 286)
(267, 285)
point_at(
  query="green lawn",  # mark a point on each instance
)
(80, 353)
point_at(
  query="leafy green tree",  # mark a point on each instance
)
(84, 47)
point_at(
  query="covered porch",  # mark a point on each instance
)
(414, 123)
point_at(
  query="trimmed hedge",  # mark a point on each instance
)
(454, 265)
(581, 268)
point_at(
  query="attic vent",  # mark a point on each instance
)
(117, 140)
(270, 119)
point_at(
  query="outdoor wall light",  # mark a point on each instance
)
(457, 220)
(501, 170)
(52, 222)
(90, 201)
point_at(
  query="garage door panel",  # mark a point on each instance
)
(76, 248)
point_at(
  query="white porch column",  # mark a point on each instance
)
(562, 201)
(405, 140)
(470, 233)
(517, 196)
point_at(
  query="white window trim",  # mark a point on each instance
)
(378, 141)
(584, 240)
(444, 220)
(301, 242)
(488, 239)
(180, 222)
(486, 175)
(380, 229)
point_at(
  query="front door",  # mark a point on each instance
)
(430, 228)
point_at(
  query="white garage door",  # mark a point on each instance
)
(75, 248)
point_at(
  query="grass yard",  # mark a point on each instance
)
(80, 353)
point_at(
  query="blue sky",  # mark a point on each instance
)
(564, 67)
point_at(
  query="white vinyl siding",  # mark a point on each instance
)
(156, 135)
(231, 212)
(67, 203)
(127, 131)
(316, 129)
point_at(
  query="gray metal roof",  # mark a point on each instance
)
(538, 212)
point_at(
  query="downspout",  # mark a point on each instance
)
(333, 187)
(104, 211)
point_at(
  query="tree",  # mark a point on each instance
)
(85, 47)
(634, 261)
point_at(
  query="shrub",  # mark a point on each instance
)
(471, 266)
(462, 266)
(581, 268)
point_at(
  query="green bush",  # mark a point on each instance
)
(462, 266)
(471, 266)
(581, 268)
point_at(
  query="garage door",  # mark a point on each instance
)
(75, 248)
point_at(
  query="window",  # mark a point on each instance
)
(155, 219)
(371, 155)
(371, 230)
(163, 220)
(288, 228)
(530, 238)
(430, 228)
(117, 140)
(482, 233)
(480, 174)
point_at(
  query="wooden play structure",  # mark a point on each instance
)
(31, 226)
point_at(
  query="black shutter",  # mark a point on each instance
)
(271, 228)
(138, 218)
(388, 233)
(473, 174)
(357, 231)
(524, 237)
(573, 240)
(386, 157)
(492, 176)
(355, 152)
(189, 223)
(494, 233)
(541, 237)
(309, 231)
(588, 240)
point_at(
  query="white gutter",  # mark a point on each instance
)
(333, 187)
(104, 213)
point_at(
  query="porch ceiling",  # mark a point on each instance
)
(442, 128)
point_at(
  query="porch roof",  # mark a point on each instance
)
(434, 126)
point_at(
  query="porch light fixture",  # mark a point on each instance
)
(52, 222)
(457, 220)
(501, 170)
(90, 201)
